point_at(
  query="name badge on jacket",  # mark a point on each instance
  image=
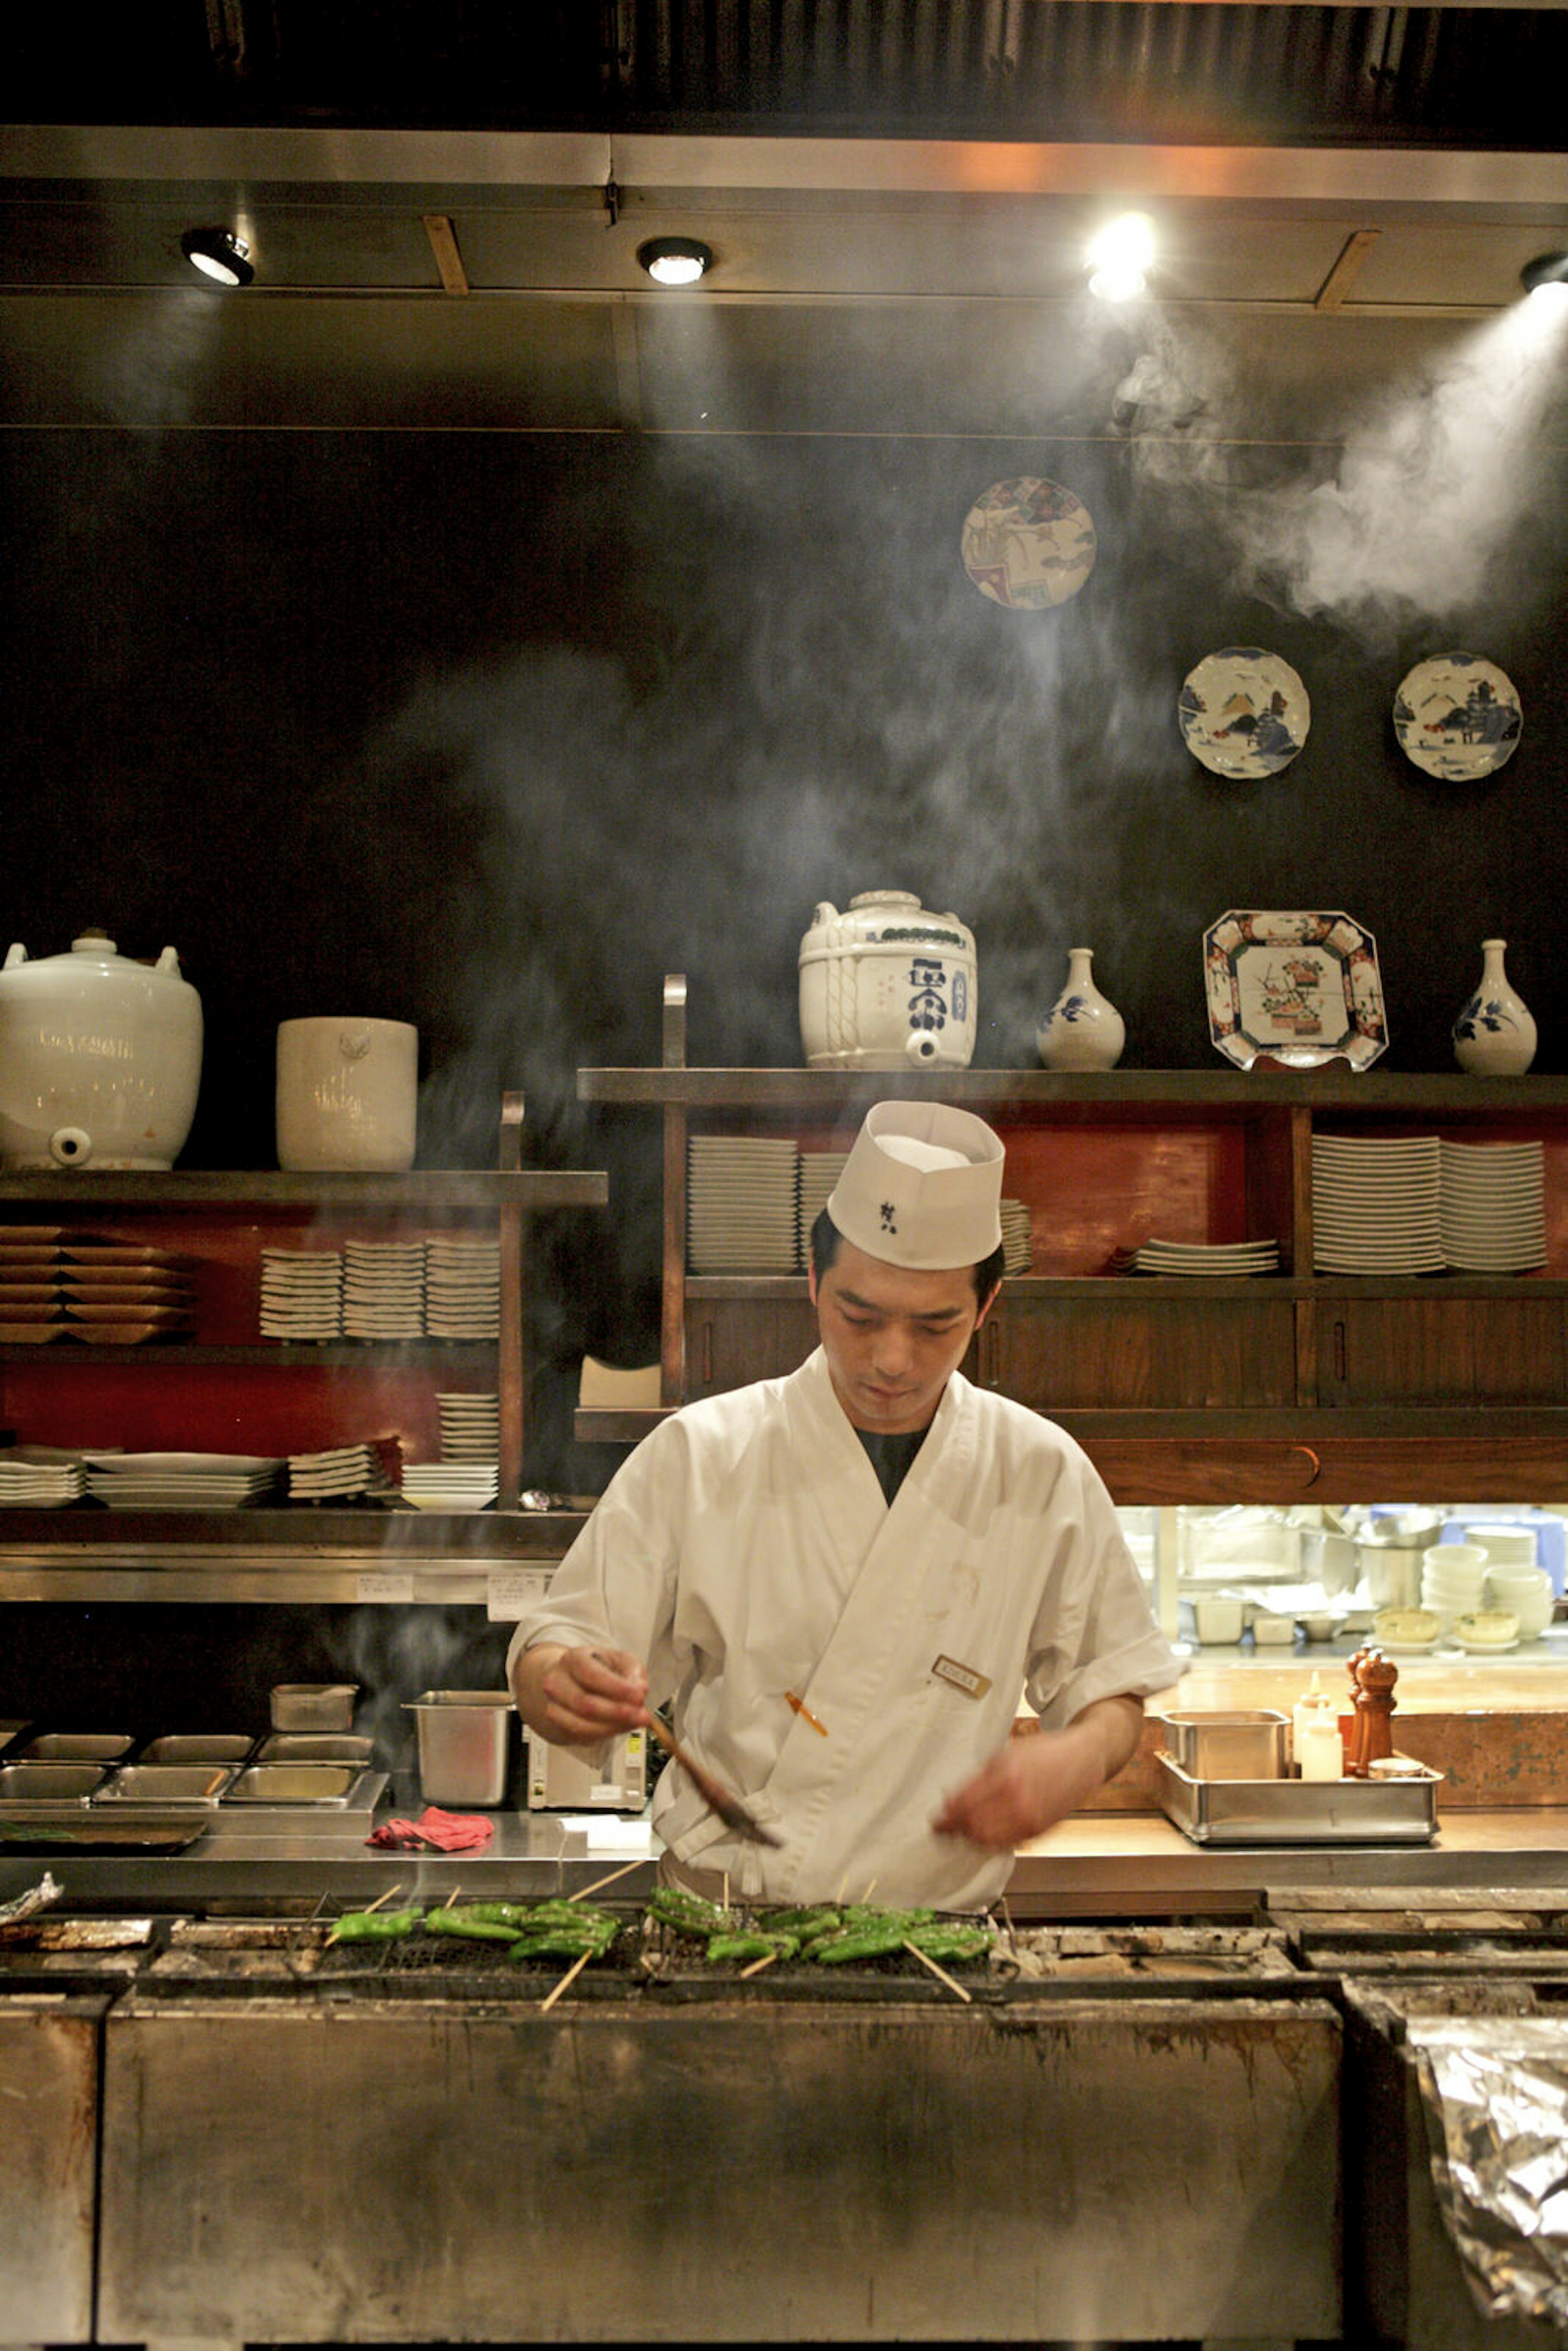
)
(962, 1678)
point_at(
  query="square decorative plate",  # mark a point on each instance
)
(1303, 988)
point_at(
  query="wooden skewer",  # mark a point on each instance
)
(381, 1898)
(940, 1972)
(584, 1891)
(452, 1897)
(570, 1978)
(757, 1966)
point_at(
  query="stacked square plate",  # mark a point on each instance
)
(32, 1285)
(383, 1289)
(1376, 1205)
(342, 1471)
(1492, 1214)
(301, 1294)
(180, 1481)
(743, 1205)
(1211, 1258)
(462, 1288)
(1018, 1238)
(819, 1171)
(123, 1296)
(470, 1426)
(39, 1477)
(450, 1485)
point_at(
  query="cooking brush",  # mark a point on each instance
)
(729, 1808)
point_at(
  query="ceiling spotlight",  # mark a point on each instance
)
(219, 255)
(1119, 256)
(675, 260)
(1547, 269)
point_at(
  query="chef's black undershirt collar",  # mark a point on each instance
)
(892, 1457)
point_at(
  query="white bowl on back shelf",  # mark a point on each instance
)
(1524, 1593)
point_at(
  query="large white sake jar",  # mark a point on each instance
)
(886, 985)
(100, 1058)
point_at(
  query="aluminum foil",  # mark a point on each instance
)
(1495, 2097)
(27, 1905)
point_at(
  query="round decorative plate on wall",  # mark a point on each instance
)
(1244, 713)
(1028, 544)
(1458, 716)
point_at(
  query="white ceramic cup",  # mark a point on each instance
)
(347, 1094)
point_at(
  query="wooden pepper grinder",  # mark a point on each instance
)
(1354, 1761)
(1375, 1678)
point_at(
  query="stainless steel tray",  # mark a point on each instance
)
(315, 1747)
(56, 1784)
(261, 1815)
(294, 1783)
(1300, 1812)
(199, 1747)
(182, 1787)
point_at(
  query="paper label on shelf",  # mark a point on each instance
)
(397, 1588)
(511, 1590)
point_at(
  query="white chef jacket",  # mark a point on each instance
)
(746, 1549)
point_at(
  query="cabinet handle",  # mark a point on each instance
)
(707, 1353)
(1339, 1353)
(991, 1355)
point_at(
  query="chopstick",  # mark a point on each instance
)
(571, 1977)
(940, 1972)
(714, 1793)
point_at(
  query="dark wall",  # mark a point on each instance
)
(487, 732)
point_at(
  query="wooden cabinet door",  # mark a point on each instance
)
(1144, 1353)
(1464, 1351)
(730, 1341)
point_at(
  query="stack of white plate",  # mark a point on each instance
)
(383, 1289)
(180, 1481)
(742, 1205)
(1453, 1579)
(450, 1485)
(39, 1477)
(1207, 1257)
(342, 1471)
(1018, 1238)
(1375, 1204)
(819, 1171)
(301, 1294)
(470, 1426)
(463, 1288)
(1493, 1214)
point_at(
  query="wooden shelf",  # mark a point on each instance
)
(1152, 1093)
(182, 1191)
(359, 1354)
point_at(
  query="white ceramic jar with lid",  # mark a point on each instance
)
(100, 1058)
(887, 986)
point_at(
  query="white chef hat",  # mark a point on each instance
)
(922, 1187)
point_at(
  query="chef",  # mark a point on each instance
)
(843, 1578)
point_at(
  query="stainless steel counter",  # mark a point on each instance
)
(1134, 1865)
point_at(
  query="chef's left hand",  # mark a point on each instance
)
(1035, 1781)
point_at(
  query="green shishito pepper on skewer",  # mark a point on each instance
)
(565, 1940)
(468, 1925)
(950, 1942)
(856, 1943)
(689, 1914)
(736, 1950)
(373, 1926)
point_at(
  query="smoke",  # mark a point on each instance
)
(1410, 515)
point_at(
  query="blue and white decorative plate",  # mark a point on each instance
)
(1028, 544)
(1303, 988)
(1244, 713)
(1458, 716)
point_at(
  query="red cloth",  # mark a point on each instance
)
(440, 1832)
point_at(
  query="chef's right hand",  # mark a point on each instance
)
(583, 1695)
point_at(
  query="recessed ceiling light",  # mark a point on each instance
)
(1548, 271)
(1118, 257)
(219, 255)
(675, 260)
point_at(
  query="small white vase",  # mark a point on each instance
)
(1494, 1036)
(1082, 1030)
